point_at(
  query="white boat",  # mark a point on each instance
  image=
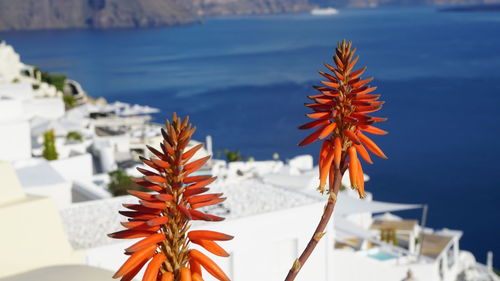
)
(324, 11)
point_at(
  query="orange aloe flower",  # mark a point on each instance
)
(340, 114)
(162, 218)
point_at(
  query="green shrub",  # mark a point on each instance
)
(231, 156)
(120, 182)
(69, 101)
(57, 80)
(49, 146)
(74, 136)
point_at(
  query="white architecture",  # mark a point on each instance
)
(273, 222)
(25, 114)
(15, 143)
(19, 90)
(272, 206)
(11, 65)
(33, 237)
(38, 177)
(47, 108)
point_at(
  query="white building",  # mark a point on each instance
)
(38, 177)
(25, 114)
(15, 142)
(272, 206)
(34, 236)
(11, 65)
(273, 222)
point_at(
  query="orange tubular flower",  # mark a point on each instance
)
(162, 218)
(341, 115)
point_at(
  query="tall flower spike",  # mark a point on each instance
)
(341, 115)
(162, 218)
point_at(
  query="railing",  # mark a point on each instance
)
(486, 271)
(392, 249)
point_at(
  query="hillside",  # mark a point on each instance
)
(47, 14)
(57, 14)
(53, 14)
(249, 7)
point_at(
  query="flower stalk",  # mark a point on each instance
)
(340, 116)
(162, 218)
(320, 229)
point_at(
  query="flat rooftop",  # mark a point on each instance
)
(407, 225)
(87, 223)
(433, 244)
(38, 173)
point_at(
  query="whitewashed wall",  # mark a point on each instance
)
(19, 91)
(65, 149)
(90, 191)
(120, 143)
(48, 108)
(263, 249)
(15, 143)
(11, 109)
(260, 167)
(75, 168)
(38, 177)
(59, 192)
(32, 236)
(354, 266)
(11, 65)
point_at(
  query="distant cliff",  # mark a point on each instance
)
(46, 14)
(51, 14)
(54, 14)
(249, 7)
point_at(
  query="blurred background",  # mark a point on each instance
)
(242, 70)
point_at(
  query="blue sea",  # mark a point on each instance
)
(244, 80)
